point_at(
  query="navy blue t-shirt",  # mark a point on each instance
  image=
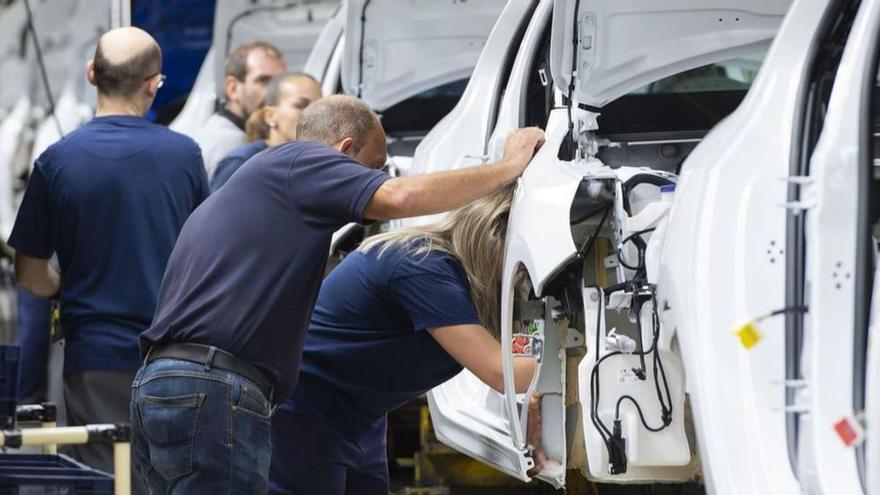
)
(246, 269)
(234, 160)
(368, 350)
(109, 198)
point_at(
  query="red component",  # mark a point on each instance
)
(849, 431)
(521, 345)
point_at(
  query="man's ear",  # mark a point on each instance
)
(90, 72)
(346, 146)
(231, 87)
(153, 86)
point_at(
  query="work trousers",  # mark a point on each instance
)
(311, 457)
(198, 429)
(98, 397)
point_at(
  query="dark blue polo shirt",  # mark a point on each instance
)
(109, 198)
(368, 350)
(234, 160)
(246, 269)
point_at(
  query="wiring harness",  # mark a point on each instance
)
(642, 292)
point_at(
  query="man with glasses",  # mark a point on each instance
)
(249, 69)
(109, 199)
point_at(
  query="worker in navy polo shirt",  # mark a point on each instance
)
(227, 338)
(109, 199)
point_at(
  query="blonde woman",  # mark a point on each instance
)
(399, 316)
(272, 124)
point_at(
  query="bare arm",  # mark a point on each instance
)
(37, 276)
(475, 349)
(444, 191)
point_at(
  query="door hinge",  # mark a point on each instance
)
(800, 205)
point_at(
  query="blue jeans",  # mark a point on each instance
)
(199, 430)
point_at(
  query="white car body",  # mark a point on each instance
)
(718, 260)
(389, 51)
(292, 27)
(783, 210)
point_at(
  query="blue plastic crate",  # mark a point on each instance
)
(26, 474)
(9, 357)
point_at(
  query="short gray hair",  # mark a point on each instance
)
(334, 118)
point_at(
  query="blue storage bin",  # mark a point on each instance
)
(9, 358)
(26, 474)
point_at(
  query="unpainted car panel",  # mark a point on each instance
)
(325, 48)
(10, 140)
(201, 100)
(387, 61)
(626, 44)
(292, 27)
(722, 265)
(460, 139)
(827, 465)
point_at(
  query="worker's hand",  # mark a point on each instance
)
(533, 434)
(520, 147)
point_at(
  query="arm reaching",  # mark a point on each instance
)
(37, 276)
(475, 349)
(403, 197)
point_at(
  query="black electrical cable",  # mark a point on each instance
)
(641, 414)
(588, 242)
(42, 64)
(637, 233)
(613, 440)
(572, 143)
(790, 309)
(604, 432)
(637, 309)
(666, 406)
(360, 87)
(629, 238)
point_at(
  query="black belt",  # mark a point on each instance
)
(211, 356)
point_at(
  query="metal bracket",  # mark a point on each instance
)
(792, 383)
(542, 75)
(573, 338)
(799, 180)
(611, 261)
(528, 310)
(798, 206)
(794, 408)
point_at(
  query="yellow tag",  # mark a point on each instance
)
(748, 335)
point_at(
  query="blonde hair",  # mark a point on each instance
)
(256, 128)
(474, 235)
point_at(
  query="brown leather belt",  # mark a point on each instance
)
(212, 356)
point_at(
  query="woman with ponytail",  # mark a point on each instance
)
(399, 316)
(272, 124)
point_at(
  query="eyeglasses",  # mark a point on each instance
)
(161, 80)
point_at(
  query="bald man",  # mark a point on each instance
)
(109, 199)
(225, 344)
